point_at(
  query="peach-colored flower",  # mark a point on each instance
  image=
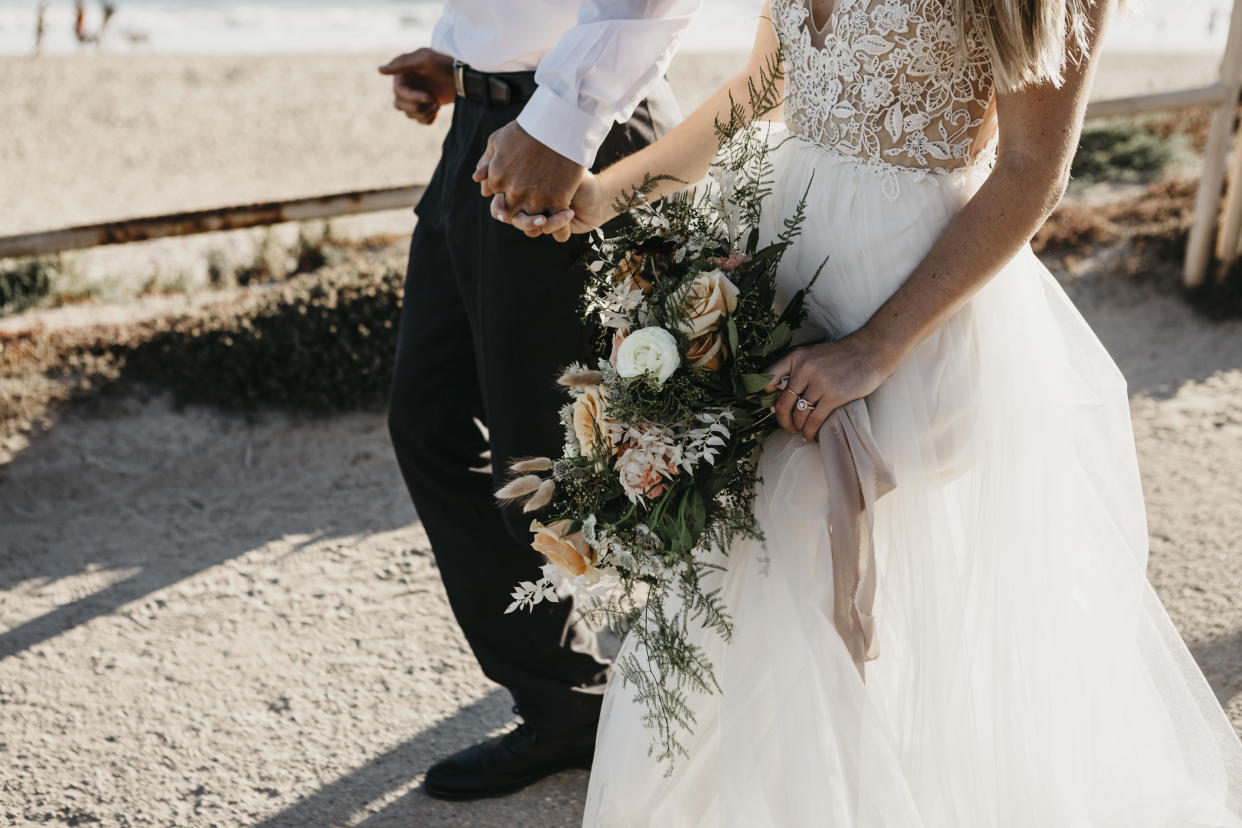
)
(570, 553)
(707, 352)
(645, 471)
(630, 270)
(707, 300)
(592, 423)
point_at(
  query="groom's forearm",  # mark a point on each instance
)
(601, 69)
(686, 153)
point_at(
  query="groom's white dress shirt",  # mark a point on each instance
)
(594, 60)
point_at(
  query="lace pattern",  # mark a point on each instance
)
(889, 85)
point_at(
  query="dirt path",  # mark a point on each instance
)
(209, 621)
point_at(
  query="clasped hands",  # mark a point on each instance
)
(541, 192)
(538, 191)
(552, 198)
(532, 187)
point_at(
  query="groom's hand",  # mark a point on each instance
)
(422, 82)
(526, 176)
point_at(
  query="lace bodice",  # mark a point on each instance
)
(887, 82)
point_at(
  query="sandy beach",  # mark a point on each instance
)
(207, 619)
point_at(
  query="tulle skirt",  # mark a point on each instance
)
(1027, 674)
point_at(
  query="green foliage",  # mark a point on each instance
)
(26, 283)
(322, 343)
(1122, 152)
(662, 543)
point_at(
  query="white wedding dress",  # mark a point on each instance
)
(1027, 675)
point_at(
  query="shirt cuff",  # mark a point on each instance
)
(562, 127)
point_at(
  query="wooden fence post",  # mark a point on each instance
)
(1203, 222)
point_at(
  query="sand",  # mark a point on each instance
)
(210, 620)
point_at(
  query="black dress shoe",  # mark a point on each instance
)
(509, 763)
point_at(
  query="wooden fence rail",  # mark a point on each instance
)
(208, 221)
(1223, 96)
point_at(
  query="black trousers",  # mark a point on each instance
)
(489, 318)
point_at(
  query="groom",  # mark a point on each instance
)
(553, 87)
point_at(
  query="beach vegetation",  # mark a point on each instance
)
(1129, 151)
(27, 283)
(322, 342)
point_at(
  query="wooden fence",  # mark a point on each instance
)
(1217, 177)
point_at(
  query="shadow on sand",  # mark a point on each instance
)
(89, 498)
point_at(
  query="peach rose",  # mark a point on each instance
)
(570, 553)
(708, 299)
(707, 352)
(590, 415)
(644, 472)
(630, 270)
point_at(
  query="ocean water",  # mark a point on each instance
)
(402, 25)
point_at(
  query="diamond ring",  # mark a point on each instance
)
(803, 405)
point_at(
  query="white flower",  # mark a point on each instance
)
(648, 351)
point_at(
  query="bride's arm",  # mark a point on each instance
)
(1039, 129)
(683, 154)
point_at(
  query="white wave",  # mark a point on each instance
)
(198, 26)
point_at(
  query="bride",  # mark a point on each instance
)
(1024, 672)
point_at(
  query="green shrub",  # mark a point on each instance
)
(26, 284)
(1123, 152)
(322, 342)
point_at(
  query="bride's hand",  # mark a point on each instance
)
(827, 376)
(590, 209)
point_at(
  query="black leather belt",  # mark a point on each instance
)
(498, 88)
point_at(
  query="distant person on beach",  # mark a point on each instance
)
(79, 27)
(551, 89)
(40, 27)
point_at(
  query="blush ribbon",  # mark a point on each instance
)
(857, 476)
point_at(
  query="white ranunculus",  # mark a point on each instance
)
(648, 351)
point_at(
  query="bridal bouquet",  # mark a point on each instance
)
(659, 465)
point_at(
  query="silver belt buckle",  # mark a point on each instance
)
(459, 78)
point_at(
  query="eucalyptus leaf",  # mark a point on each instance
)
(754, 383)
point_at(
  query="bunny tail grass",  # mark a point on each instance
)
(542, 497)
(531, 464)
(519, 488)
(576, 376)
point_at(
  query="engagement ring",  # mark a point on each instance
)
(803, 405)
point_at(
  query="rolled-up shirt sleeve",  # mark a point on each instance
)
(601, 69)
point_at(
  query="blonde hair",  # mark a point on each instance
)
(1029, 41)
